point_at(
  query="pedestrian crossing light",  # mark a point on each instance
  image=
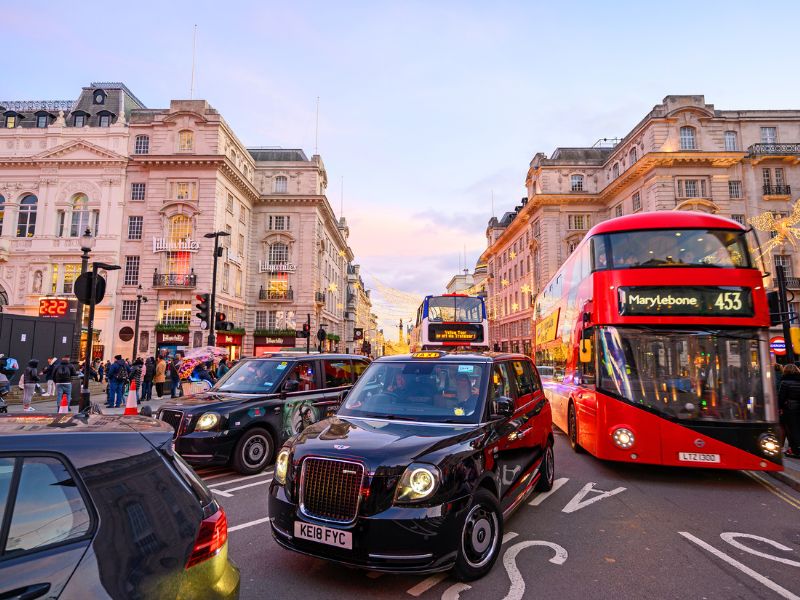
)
(306, 331)
(203, 306)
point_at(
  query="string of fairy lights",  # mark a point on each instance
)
(391, 304)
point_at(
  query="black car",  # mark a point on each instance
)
(98, 506)
(257, 405)
(417, 471)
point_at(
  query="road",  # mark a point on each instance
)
(606, 530)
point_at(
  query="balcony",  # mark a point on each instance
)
(792, 283)
(174, 280)
(767, 150)
(319, 297)
(275, 295)
(777, 190)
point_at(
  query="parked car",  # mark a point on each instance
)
(418, 470)
(98, 506)
(257, 405)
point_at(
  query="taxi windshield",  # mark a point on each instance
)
(419, 390)
(256, 376)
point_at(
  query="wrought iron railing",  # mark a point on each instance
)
(319, 297)
(276, 294)
(777, 190)
(793, 283)
(174, 280)
(773, 149)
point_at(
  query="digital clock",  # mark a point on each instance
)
(57, 308)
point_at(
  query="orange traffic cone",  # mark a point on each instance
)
(130, 402)
(64, 406)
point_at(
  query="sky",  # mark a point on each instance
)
(426, 109)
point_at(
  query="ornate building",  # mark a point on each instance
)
(683, 155)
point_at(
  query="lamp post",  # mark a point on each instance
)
(139, 299)
(87, 243)
(212, 339)
(85, 395)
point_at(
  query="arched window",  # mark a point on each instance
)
(576, 183)
(179, 262)
(278, 253)
(615, 170)
(3, 297)
(185, 141)
(281, 184)
(730, 141)
(26, 220)
(141, 145)
(81, 216)
(633, 156)
(688, 140)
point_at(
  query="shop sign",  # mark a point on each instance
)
(547, 328)
(268, 267)
(229, 339)
(289, 342)
(185, 245)
(173, 338)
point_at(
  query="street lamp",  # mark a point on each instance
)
(212, 340)
(87, 243)
(139, 299)
(86, 399)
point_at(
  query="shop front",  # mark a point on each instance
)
(232, 342)
(263, 344)
(167, 343)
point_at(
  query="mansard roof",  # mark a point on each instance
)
(278, 155)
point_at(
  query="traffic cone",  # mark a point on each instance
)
(64, 406)
(130, 402)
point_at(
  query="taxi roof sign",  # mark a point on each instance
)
(426, 355)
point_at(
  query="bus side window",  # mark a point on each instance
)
(587, 369)
(586, 261)
(599, 253)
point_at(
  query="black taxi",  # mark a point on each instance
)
(417, 471)
(257, 405)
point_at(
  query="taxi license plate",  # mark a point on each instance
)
(324, 535)
(698, 457)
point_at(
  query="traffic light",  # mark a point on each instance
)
(306, 331)
(203, 307)
(222, 324)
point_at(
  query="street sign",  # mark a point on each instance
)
(777, 345)
(83, 288)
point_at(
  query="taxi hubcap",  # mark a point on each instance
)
(255, 450)
(480, 536)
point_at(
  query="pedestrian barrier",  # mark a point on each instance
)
(130, 402)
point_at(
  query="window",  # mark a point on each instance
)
(237, 282)
(226, 239)
(730, 141)
(337, 373)
(226, 277)
(240, 249)
(11, 121)
(688, 141)
(128, 310)
(571, 247)
(281, 184)
(105, 120)
(80, 215)
(229, 203)
(303, 373)
(578, 222)
(537, 228)
(185, 141)
(131, 270)
(137, 191)
(278, 253)
(174, 312)
(618, 210)
(279, 223)
(779, 180)
(41, 121)
(141, 144)
(99, 97)
(735, 189)
(261, 319)
(135, 227)
(769, 135)
(633, 156)
(615, 170)
(785, 261)
(636, 202)
(691, 188)
(576, 183)
(273, 319)
(26, 219)
(500, 384)
(738, 218)
(766, 176)
(182, 191)
(47, 504)
(179, 228)
(79, 120)
(71, 273)
(242, 213)
(527, 381)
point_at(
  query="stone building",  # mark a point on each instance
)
(683, 155)
(359, 327)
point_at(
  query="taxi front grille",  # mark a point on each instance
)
(173, 418)
(330, 489)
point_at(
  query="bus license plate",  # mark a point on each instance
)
(698, 457)
(324, 535)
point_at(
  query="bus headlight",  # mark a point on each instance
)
(207, 421)
(770, 445)
(417, 483)
(282, 466)
(623, 438)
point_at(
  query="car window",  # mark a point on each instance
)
(6, 472)
(527, 382)
(303, 373)
(501, 381)
(48, 507)
(359, 366)
(337, 373)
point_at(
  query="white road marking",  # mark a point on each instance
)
(578, 501)
(765, 581)
(731, 538)
(426, 584)
(221, 493)
(264, 474)
(229, 492)
(517, 587)
(558, 483)
(454, 591)
(249, 524)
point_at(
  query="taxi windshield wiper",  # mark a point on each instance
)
(392, 417)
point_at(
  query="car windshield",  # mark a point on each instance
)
(255, 376)
(455, 309)
(671, 248)
(687, 375)
(420, 390)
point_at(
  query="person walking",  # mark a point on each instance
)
(159, 376)
(117, 378)
(147, 380)
(31, 379)
(175, 374)
(107, 369)
(137, 372)
(101, 371)
(48, 375)
(222, 368)
(788, 408)
(63, 372)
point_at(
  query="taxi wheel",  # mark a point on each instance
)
(572, 427)
(548, 470)
(480, 537)
(253, 452)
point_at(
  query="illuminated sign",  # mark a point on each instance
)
(185, 245)
(57, 308)
(440, 332)
(268, 267)
(426, 355)
(686, 301)
(547, 328)
(778, 345)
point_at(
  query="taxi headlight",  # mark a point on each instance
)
(418, 482)
(207, 421)
(623, 438)
(770, 445)
(282, 466)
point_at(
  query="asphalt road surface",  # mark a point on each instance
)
(606, 530)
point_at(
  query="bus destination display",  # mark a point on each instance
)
(686, 301)
(451, 332)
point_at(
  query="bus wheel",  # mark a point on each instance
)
(572, 427)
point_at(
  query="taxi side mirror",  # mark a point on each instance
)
(586, 351)
(503, 408)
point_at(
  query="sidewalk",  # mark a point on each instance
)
(48, 405)
(790, 474)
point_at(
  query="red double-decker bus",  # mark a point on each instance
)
(652, 341)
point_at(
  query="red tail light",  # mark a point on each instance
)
(210, 539)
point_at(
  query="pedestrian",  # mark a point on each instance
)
(222, 368)
(778, 369)
(107, 369)
(48, 375)
(147, 380)
(175, 374)
(101, 371)
(63, 372)
(137, 370)
(160, 376)
(788, 408)
(117, 378)
(31, 379)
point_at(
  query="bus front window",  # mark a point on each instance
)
(455, 309)
(687, 375)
